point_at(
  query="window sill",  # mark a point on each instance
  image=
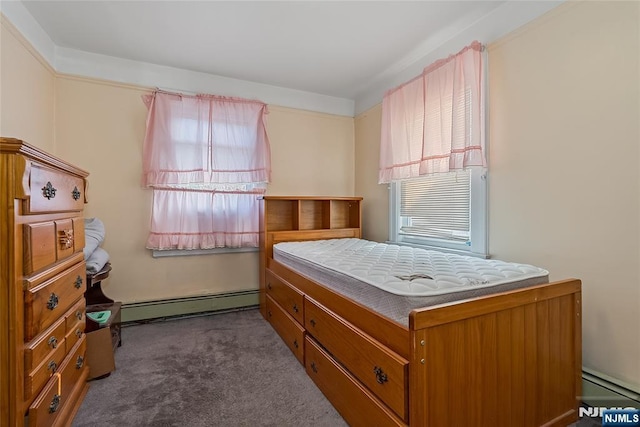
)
(183, 252)
(441, 249)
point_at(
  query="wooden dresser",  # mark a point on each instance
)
(42, 272)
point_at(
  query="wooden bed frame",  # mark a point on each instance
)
(508, 359)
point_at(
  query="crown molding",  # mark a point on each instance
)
(486, 29)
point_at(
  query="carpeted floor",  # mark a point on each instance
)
(228, 369)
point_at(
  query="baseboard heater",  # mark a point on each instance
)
(600, 390)
(149, 310)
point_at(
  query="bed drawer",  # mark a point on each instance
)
(286, 295)
(378, 368)
(353, 401)
(45, 303)
(54, 191)
(288, 329)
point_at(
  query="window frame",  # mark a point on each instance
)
(478, 222)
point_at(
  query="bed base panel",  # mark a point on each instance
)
(512, 358)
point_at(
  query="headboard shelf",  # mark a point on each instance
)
(310, 213)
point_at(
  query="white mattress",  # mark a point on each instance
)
(403, 270)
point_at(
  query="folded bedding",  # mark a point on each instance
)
(97, 260)
(93, 235)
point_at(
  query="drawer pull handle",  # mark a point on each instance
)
(79, 362)
(55, 403)
(75, 193)
(78, 333)
(295, 343)
(269, 285)
(79, 315)
(52, 366)
(314, 368)
(66, 239)
(53, 301)
(53, 342)
(381, 377)
(78, 282)
(49, 191)
(295, 308)
(269, 313)
(313, 323)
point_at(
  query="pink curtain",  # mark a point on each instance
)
(435, 122)
(207, 159)
(204, 138)
(193, 219)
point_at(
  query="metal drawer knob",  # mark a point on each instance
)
(381, 377)
(78, 282)
(55, 403)
(269, 285)
(49, 191)
(75, 193)
(53, 342)
(295, 308)
(78, 333)
(79, 362)
(295, 343)
(79, 315)
(53, 301)
(314, 368)
(313, 323)
(52, 366)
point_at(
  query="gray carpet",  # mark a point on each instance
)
(228, 369)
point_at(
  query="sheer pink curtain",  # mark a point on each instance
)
(207, 159)
(435, 122)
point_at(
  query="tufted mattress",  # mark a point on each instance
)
(393, 280)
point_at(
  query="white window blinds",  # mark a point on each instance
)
(436, 206)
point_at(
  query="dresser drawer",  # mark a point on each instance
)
(288, 329)
(352, 400)
(75, 321)
(54, 191)
(49, 301)
(40, 348)
(51, 402)
(48, 242)
(41, 373)
(73, 366)
(378, 368)
(287, 296)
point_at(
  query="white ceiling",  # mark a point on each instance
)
(334, 48)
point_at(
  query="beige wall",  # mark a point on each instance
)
(27, 85)
(564, 162)
(100, 127)
(375, 206)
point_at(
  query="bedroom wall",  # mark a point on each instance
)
(100, 127)
(564, 158)
(27, 85)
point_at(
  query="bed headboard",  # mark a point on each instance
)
(307, 218)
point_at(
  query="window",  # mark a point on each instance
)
(432, 153)
(446, 211)
(207, 160)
